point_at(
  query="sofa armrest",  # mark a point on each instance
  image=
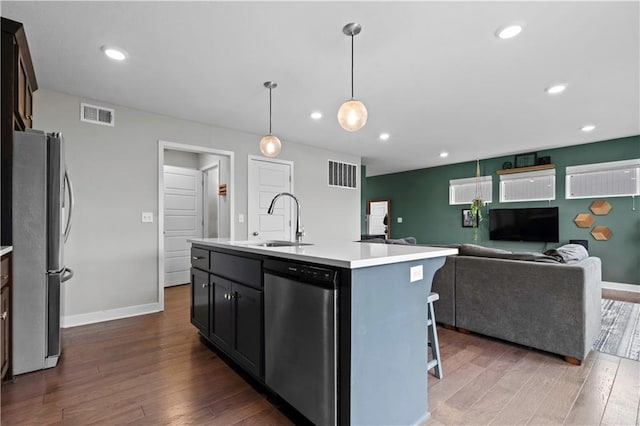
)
(553, 307)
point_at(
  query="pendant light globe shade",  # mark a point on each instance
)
(270, 146)
(352, 115)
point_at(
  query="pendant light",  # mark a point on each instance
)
(270, 145)
(352, 114)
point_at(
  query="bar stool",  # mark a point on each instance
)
(433, 336)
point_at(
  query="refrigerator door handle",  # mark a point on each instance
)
(67, 229)
(67, 274)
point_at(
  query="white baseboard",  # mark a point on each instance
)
(67, 321)
(621, 286)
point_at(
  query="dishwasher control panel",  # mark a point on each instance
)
(307, 273)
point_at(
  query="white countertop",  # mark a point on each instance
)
(5, 249)
(343, 254)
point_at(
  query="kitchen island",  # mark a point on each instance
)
(337, 330)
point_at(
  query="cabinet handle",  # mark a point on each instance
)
(197, 257)
(4, 277)
(3, 316)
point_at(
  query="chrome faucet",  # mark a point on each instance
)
(299, 229)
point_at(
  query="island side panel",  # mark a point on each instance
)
(389, 343)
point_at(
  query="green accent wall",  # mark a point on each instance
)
(421, 198)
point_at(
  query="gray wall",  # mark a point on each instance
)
(115, 173)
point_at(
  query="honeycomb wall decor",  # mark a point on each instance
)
(600, 207)
(584, 220)
(601, 233)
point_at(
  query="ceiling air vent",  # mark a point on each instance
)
(343, 175)
(97, 115)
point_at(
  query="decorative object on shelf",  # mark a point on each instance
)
(352, 114)
(270, 145)
(602, 233)
(543, 160)
(476, 204)
(468, 219)
(222, 189)
(526, 160)
(507, 165)
(600, 207)
(584, 220)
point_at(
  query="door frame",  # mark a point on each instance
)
(250, 188)
(162, 145)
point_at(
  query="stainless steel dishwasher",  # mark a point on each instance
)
(300, 337)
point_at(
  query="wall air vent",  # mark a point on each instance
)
(97, 115)
(343, 175)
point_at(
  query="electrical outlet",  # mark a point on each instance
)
(399, 220)
(415, 273)
(147, 217)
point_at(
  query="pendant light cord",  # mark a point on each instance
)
(269, 110)
(351, 66)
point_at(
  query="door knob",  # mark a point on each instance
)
(255, 234)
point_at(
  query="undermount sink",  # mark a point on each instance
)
(281, 244)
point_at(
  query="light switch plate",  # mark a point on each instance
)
(416, 273)
(240, 218)
(147, 217)
(399, 220)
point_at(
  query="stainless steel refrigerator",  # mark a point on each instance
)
(42, 207)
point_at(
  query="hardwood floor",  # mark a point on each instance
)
(155, 370)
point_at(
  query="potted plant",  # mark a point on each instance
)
(476, 204)
(476, 214)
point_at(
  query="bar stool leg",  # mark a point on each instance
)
(433, 337)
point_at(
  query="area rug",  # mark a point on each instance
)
(620, 332)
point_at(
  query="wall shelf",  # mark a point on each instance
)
(526, 169)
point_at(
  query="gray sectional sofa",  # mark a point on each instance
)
(540, 301)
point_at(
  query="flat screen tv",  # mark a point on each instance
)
(529, 224)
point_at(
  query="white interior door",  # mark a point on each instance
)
(266, 179)
(182, 220)
(377, 212)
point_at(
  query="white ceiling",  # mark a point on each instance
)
(432, 74)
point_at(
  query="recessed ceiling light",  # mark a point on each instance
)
(588, 128)
(316, 115)
(509, 31)
(444, 154)
(384, 136)
(555, 89)
(114, 53)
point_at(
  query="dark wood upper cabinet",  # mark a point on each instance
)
(18, 82)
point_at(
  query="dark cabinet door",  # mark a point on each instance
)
(221, 326)
(200, 300)
(247, 345)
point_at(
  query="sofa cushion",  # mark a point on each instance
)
(494, 253)
(405, 240)
(480, 251)
(568, 253)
